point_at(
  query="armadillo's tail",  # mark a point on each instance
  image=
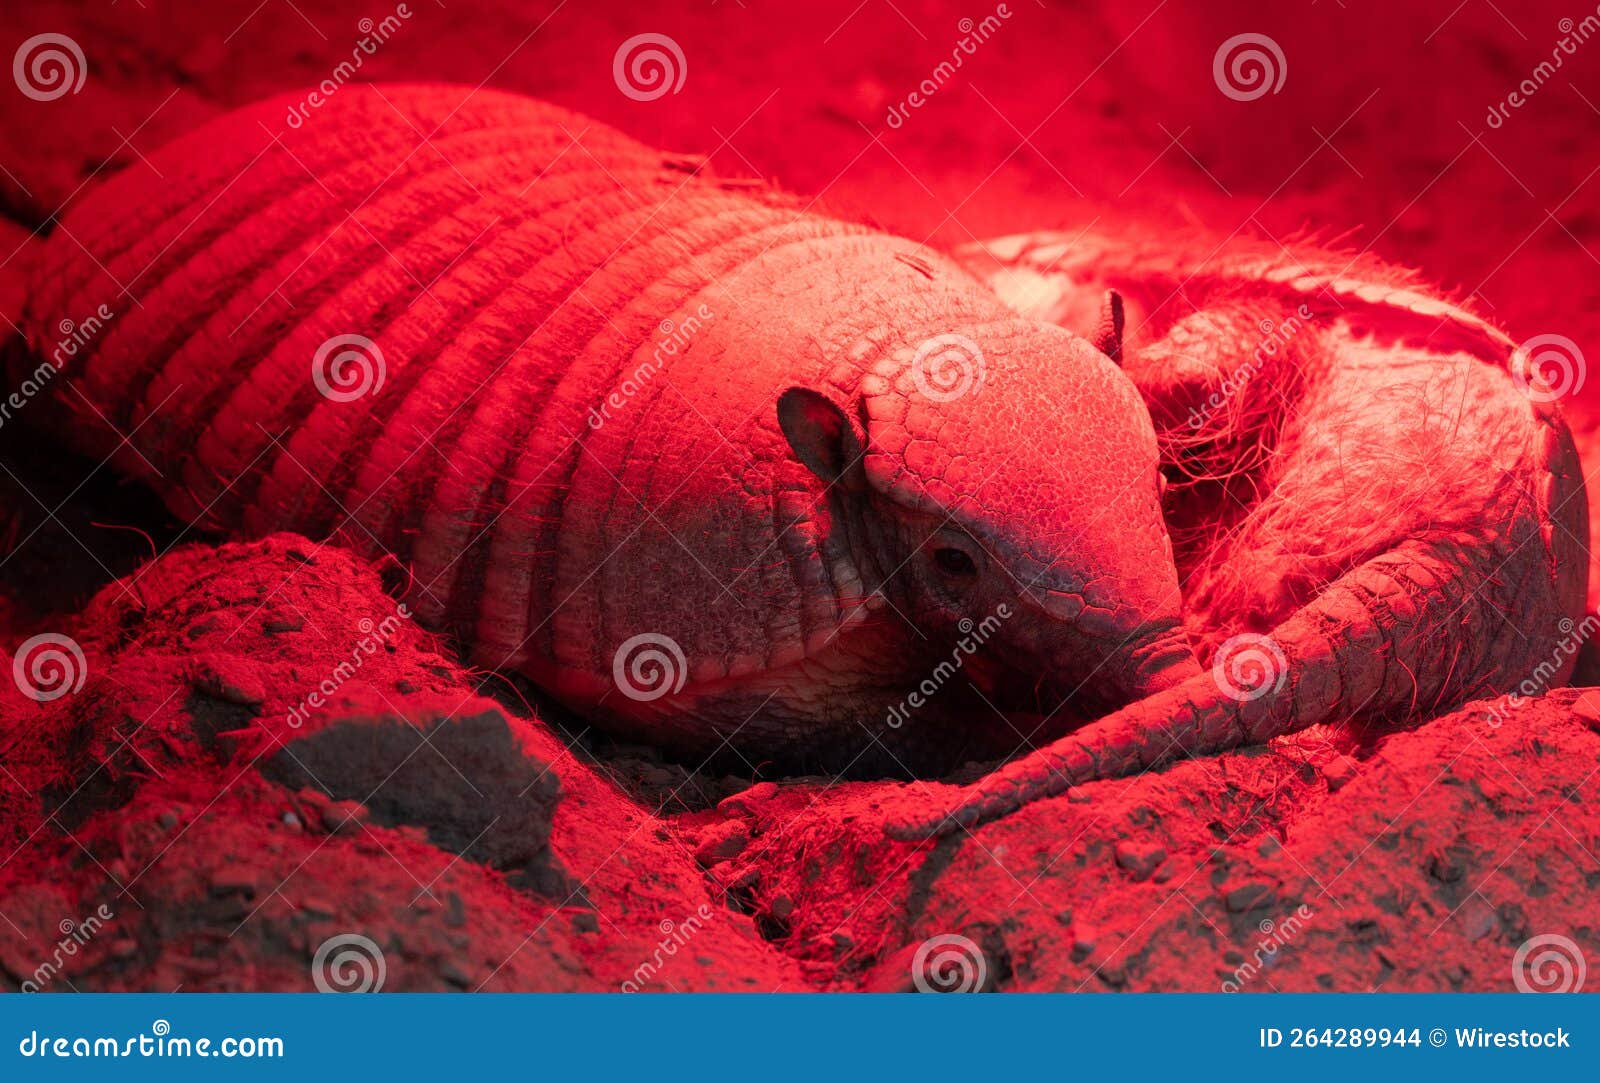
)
(1401, 634)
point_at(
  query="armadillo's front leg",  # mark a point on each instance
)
(1427, 624)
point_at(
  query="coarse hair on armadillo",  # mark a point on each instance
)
(542, 365)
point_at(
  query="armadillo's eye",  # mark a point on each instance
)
(954, 562)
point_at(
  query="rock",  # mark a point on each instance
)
(1476, 919)
(1446, 868)
(1252, 895)
(229, 678)
(743, 803)
(894, 974)
(343, 817)
(418, 814)
(457, 770)
(1139, 858)
(1338, 773)
(231, 878)
(722, 842)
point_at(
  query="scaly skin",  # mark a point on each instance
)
(619, 400)
(1403, 517)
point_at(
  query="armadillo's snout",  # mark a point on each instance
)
(1104, 659)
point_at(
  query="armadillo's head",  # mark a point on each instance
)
(1008, 478)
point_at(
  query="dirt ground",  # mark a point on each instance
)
(431, 828)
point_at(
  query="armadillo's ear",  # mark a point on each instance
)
(820, 434)
(1107, 337)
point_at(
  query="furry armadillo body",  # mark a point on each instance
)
(1379, 511)
(537, 362)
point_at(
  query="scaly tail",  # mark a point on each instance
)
(1411, 630)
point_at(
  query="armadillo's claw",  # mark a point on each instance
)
(1107, 336)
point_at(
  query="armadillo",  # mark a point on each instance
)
(706, 467)
(1378, 510)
